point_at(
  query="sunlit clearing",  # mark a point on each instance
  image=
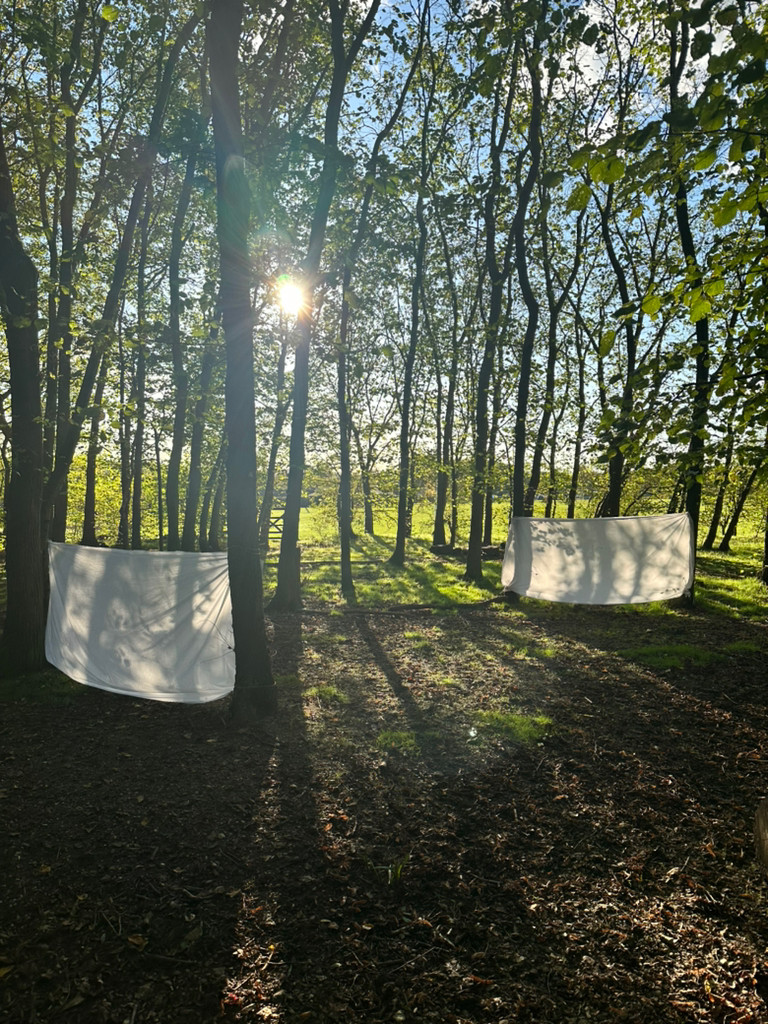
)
(290, 296)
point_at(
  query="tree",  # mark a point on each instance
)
(23, 644)
(288, 593)
(254, 686)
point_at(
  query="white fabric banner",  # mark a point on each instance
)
(142, 623)
(626, 560)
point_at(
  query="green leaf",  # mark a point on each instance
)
(651, 304)
(606, 343)
(728, 16)
(701, 45)
(724, 214)
(607, 171)
(580, 157)
(578, 199)
(705, 159)
(701, 308)
(109, 13)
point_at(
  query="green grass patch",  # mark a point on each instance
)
(743, 647)
(393, 739)
(289, 679)
(328, 694)
(670, 656)
(50, 687)
(513, 725)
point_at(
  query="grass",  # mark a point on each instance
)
(670, 656)
(513, 725)
(726, 584)
(49, 687)
(328, 694)
(401, 740)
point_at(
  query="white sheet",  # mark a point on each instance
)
(626, 560)
(146, 624)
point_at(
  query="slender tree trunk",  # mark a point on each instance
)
(694, 461)
(214, 527)
(208, 496)
(492, 439)
(733, 522)
(764, 570)
(159, 482)
(89, 538)
(180, 376)
(345, 481)
(288, 593)
(140, 378)
(281, 411)
(194, 482)
(717, 511)
(498, 275)
(582, 418)
(23, 643)
(126, 468)
(531, 303)
(254, 690)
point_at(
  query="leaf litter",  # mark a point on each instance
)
(592, 863)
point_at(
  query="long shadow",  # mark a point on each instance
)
(136, 819)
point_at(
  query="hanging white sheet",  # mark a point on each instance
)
(141, 623)
(626, 560)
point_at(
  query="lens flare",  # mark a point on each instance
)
(290, 296)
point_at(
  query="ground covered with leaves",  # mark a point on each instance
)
(509, 813)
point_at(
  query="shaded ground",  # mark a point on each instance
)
(475, 817)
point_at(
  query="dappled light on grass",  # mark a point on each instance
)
(424, 580)
(513, 725)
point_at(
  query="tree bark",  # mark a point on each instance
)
(89, 538)
(288, 593)
(195, 479)
(254, 691)
(180, 376)
(23, 643)
(345, 481)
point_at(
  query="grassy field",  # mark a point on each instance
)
(726, 584)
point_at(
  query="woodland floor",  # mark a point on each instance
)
(484, 816)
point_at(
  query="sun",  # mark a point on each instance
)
(290, 296)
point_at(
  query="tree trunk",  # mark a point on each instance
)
(180, 377)
(582, 418)
(140, 379)
(733, 522)
(195, 479)
(214, 527)
(694, 461)
(531, 303)
(126, 468)
(23, 643)
(288, 593)
(281, 411)
(717, 511)
(89, 538)
(159, 480)
(492, 438)
(209, 497)
(345, 481)
(254, 691)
